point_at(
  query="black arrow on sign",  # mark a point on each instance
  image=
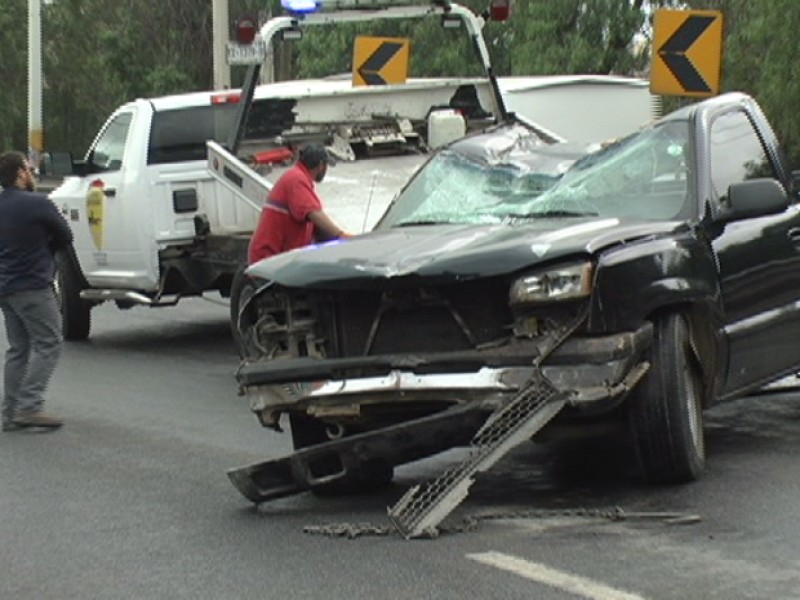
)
(370, 70)
(673, 53)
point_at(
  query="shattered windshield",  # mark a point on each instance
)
(644, 175)
(457, 187)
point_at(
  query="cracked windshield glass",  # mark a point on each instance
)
(643, 175)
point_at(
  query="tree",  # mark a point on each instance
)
(576, 36)
(13, 74)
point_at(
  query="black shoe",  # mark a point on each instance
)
(36, 419)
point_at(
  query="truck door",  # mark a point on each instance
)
(759, 261)
(101, 209)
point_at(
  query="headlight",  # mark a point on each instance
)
(559, 283)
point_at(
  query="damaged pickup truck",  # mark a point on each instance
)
(641, 283)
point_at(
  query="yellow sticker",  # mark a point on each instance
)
(95, 207)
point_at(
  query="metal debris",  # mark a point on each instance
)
(424, 506)
(472, 522)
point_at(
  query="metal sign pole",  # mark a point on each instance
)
(35, 128)
(219, 29)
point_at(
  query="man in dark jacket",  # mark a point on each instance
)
(31, 229)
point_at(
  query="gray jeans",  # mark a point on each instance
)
(33, 329)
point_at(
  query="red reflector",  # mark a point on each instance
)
(246, 28)
(226, 98)
(500, 10)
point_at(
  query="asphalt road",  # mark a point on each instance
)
(131, 500)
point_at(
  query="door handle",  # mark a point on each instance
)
(794, 234)
(110, 192)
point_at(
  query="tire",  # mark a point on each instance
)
(76, 315)
(371, 476)
(665, 410)
(242, 289)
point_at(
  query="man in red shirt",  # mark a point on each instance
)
(293, 216)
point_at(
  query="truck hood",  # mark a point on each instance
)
(455, 252)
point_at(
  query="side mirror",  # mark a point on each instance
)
(56, 164)
(753, 198)
(796, 183)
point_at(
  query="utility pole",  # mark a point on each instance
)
(35, 128)
(220, 34)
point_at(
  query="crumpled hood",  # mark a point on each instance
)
(449, 251)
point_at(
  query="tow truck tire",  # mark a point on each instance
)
(665, 409)
(76, 314)
(308, 431)
(242, 289)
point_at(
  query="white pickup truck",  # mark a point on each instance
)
(163, 204)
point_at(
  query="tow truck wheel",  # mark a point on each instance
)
(308, 431)
(242, 289)
(75, 313)
(666, 408)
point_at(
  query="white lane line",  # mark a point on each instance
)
(575, 584)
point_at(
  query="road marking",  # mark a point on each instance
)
(573, 584)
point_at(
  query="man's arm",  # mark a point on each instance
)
(56, 225)
(325, 226)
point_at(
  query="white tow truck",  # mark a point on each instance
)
(165, 200)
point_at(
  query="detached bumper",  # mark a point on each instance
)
(595, 370)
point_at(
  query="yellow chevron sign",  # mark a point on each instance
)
(687, 53)
(380, 61)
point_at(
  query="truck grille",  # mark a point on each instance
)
(420, 319)
(455, 317)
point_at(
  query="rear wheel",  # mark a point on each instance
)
(75, 312)
(372, 475)
(666, 408)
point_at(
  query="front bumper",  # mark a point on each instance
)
(596, 371)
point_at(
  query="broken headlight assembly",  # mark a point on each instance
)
(564, 282)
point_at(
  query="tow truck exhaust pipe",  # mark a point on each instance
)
(125, 296)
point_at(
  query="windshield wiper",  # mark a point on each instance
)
(415, 223)
(553, 213)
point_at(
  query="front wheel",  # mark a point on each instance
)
(75, 312)
(665, 410)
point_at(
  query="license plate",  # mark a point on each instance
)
(247, 54)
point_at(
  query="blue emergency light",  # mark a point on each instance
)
(301, 6)
(311, 6)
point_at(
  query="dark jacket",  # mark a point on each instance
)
(31, 229)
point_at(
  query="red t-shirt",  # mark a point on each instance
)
(284, 223)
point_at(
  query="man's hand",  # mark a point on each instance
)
(326, 228)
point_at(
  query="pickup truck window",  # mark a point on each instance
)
(736, 153)
(110, 147)
(180, 135)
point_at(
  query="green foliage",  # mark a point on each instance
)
(13, 74)
(576, 36)
(101, 53)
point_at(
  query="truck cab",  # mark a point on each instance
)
(142, 182)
